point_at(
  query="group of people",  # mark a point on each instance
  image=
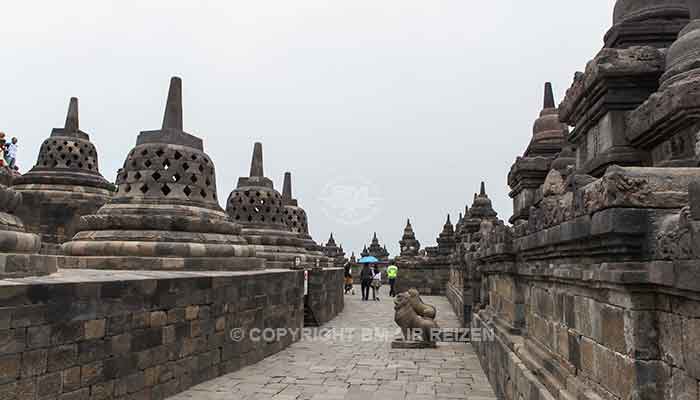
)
(8, 151)
(371, 278)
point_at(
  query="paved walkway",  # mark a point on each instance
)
(344, 365)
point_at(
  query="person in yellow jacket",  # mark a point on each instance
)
(392, 272)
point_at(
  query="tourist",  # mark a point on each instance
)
(348, 279)
(11, 153)
(376, 283)
(2, 149)
(392, 271)
(365, 281)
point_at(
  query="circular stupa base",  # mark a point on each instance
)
(133, 263)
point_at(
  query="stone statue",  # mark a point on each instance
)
(416, 320)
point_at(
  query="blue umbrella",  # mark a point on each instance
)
(368, 260)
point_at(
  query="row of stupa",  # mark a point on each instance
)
(162, 213)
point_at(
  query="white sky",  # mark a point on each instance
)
(423, 99)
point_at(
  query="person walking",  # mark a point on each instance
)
(11, 153)
(376, 283)
(365, 281)
(392, 272)
(348, 280)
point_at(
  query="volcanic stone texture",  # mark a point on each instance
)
(137, 335)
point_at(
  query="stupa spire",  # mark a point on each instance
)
(173, 107)
(256, 164)
(482, 193)
(72, 118)
(548, 96)
(287, 187)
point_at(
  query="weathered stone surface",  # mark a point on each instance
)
(133, 348)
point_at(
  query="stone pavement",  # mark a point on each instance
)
(344, 365)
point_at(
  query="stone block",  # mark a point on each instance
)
(95, 329)
(34, 363)
(12, 340)
(92, 373)
(691, 346)
(71, 379)
(49, 386)
(62, 357)
(9, 368)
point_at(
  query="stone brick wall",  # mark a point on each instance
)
(138, 335)
(326, 297)
(428, 276)
(54, 214)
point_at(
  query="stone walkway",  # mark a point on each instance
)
(345, 365)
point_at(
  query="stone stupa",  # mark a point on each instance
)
(165, 214)
(408, 243)
(64, 185)
(260, 209)
(18, 249)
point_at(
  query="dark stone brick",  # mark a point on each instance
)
(62, 357)
(9, 368)
(66, 332)
(49, 386)
(146, 338)
(34, 363)
(91, 350)
(12, 340)
(38, 336)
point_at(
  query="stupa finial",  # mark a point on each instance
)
(549, 96)
(287, 187)
(482, 193)
(173, 107)
(256, 165)
(72, 118)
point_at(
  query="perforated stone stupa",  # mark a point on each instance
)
(165, 214)
(64, 185)
(260, 209)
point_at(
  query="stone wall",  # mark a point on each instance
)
(326, 297)
(430, 277)
(138, 335)
(54, 214)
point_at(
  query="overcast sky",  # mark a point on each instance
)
(391, 108)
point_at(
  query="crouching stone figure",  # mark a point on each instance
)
(416, 320)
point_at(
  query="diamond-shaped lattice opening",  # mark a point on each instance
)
(194, 157)
(203, 194)
(187, 191)
(185, 166)
(75, 156)
(63, 156)
(127, 188)
(176, 177)
(60, 148)
(208, 182)
(147, 163)
(160, 152)
(137, 175)
(201, 168)
(144, 188)
(166, 164)
(68, 163)
(89, 166)
(144, 152)
(80, 165)
(70, 149)
(155, 175)
(178, 155)
(165, 189)
(214, 196)
(194, 178)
